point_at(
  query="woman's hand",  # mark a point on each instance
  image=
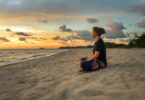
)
(87, 60)
(94, 56)
(83, 59)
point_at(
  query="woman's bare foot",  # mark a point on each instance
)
(81, 70)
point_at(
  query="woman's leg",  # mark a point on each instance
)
(87, 65)
(92, 65)
(97, 65)
(81, 60)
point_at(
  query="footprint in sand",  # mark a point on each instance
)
(109, 83)
(62, 95)
(34, 96)
(91, 92)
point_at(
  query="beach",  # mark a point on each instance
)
(56, 77)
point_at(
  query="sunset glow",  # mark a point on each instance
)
(53, 23)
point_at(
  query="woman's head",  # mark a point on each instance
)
(97, 31)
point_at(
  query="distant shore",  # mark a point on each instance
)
(57, 78)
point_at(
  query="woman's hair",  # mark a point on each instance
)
(99, 30)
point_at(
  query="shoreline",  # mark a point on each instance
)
(19, 61)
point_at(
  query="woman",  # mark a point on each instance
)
(98, 59)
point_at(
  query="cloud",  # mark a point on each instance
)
(116, 30)
(115, 34)
(79, 35)
(3, 39)
(64, 29)
(8, 30)
(114, 25)
(57, 8)
(84, 35)
(137, 9)
(91, 20)
(59, 38)
(22, 39)
(37, 38)
(141, 24)
(43, 21)
(23, 34)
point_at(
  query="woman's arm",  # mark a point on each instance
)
(94, 56)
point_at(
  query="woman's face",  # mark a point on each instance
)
(93, 34)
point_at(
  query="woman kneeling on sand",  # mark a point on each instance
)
(98, 59)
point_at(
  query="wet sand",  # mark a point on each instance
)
(57, 77)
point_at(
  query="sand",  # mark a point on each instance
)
(57, 77)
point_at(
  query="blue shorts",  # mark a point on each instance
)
(91, 65)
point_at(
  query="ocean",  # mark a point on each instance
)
(9, 56)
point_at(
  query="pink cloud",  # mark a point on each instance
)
(141, 24)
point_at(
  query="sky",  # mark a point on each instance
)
(56, 23)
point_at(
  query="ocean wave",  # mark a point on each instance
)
(37, 55)
(24, 56)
